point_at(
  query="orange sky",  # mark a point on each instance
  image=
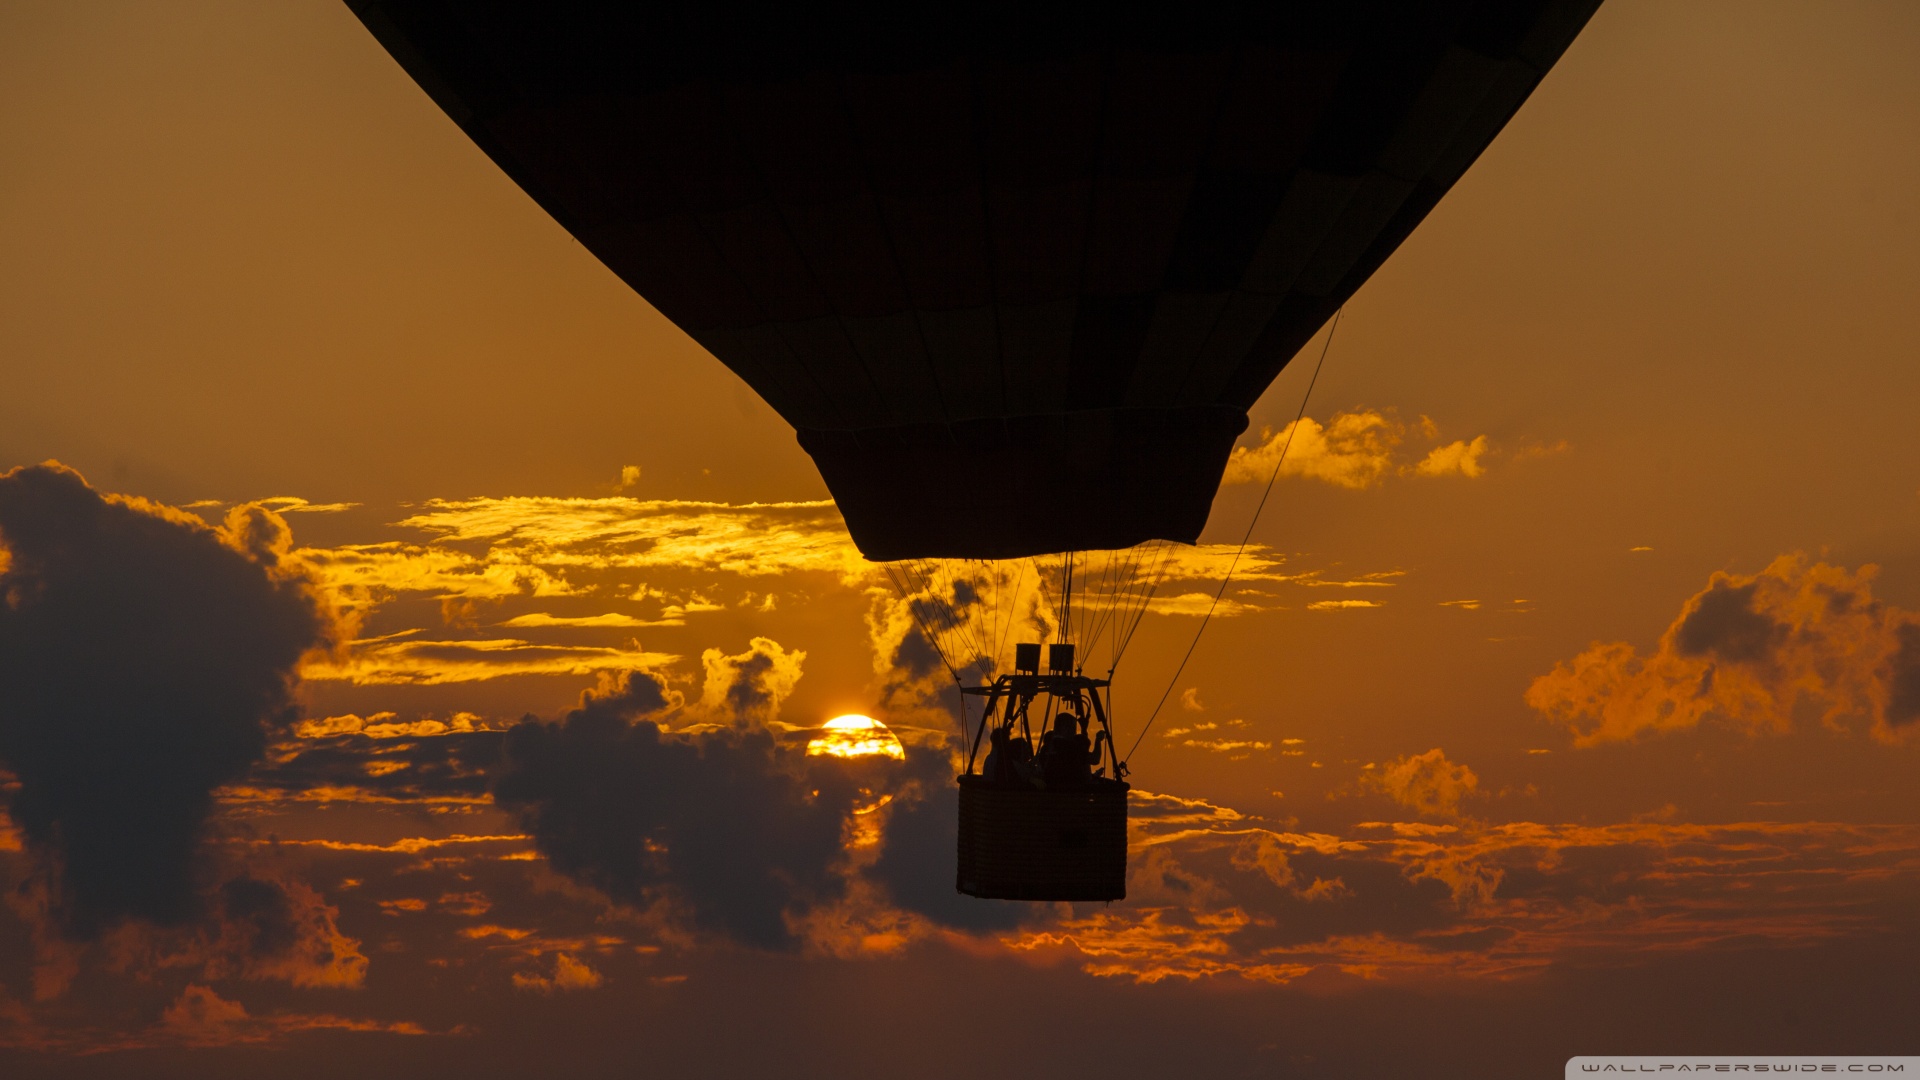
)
(1451, 757)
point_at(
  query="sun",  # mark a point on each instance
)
(853, 736)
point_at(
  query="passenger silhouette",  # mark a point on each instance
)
(1066, 758)
(998, 766)
(1026, 771)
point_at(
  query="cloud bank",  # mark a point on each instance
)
(1793, 644)
(144, 659)
(726, 826)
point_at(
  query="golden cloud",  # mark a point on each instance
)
(568, 974)
(1266, 854)
(412, 845)
(1226, 746)
(754, 539)
(1459, 458)
(200, 1017)
(407, 661)
(1355, 450)
(750, 686)
(1751, 651)
(969, 614)
(364, 572)
(1209, 562)
(386, 725)
(290, 504)
(610, 619)
(1199, 603)
(492, 551)
(1426, 783)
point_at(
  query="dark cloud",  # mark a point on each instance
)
(916, 862)
(143, 658)
(747, 687)
(263, 926)
(262, 914)
(728, 823)
(1903, 677)
(1723, 622)
(748, 690)
(454, 765)
(916, 656)
(632, 695)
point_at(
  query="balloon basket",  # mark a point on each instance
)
(1031, 844)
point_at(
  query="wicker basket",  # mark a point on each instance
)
(1027, 844)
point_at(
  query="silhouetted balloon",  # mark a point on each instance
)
(1014, 272)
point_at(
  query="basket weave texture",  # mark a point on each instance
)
(1028, 844)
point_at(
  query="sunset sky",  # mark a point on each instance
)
(1567, 699)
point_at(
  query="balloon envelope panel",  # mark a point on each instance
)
(1014, 275)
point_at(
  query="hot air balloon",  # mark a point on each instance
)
(1014, 273)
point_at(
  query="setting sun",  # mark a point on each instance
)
(854, 736)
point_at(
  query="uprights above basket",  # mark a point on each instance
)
(1026, 658)
(1047, 717)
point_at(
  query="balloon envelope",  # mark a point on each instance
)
(1014, 274)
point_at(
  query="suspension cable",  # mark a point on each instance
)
(1292, 430)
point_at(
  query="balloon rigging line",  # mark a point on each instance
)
(1135, 614)
(1292, 430)
(1011, 615)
